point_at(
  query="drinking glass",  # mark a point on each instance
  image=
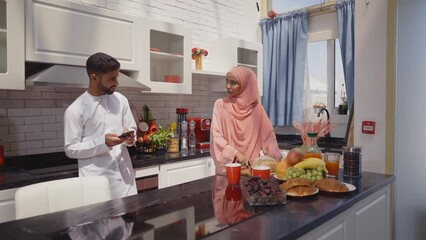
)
(332, 161)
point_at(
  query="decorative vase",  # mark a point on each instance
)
(199, 62)
(343, 109)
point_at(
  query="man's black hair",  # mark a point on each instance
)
(101, 63)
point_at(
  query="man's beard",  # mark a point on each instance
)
(106, 90)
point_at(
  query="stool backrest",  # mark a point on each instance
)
(57, 195)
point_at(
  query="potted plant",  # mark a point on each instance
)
(159, 138)
(343, 106)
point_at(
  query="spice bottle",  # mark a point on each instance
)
(184, 136)
(181, 115)
(192, 138)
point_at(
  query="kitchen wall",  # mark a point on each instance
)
(31, 121)
(373, 82)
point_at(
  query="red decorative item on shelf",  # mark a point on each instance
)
(197, 54)
(171, 78)
(272, 14)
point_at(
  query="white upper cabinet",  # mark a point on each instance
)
(229, 52)
(12, 35)
(166, 57)
(64, 32)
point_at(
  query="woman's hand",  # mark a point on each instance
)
(240, 158)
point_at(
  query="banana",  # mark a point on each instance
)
(310, 163)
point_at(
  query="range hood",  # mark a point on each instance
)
(76, 77)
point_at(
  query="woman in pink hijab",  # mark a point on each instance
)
(240, 127)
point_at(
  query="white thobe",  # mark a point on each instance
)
(87, 120)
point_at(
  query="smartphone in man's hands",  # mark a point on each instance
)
(126, 134)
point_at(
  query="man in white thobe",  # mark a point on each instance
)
(93, 123)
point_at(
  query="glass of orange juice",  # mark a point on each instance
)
(332, 161)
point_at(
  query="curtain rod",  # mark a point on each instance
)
(315, 10)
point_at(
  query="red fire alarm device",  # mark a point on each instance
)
(368, 127)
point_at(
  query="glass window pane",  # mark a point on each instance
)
(281, 6)
(317, 67)
(339, 87)
(3, 38)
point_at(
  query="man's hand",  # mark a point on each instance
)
(130, 140)
(112, 139)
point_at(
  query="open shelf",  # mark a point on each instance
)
(165, 56)
(209, 73)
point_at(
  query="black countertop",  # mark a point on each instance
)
(25, 170)
(199, 208)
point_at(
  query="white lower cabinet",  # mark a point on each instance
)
(7, 205)
(368, 219)
(185, 171)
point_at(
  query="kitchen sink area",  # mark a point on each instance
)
(294, 141)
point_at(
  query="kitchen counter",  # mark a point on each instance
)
(24, 170)
(199, 209)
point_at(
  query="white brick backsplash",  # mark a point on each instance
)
(40, 103)
(26, 145)
(25, 128)
(6, 121)
(3, 94)
(52, 111)
(14, 153)
(63, 102)
(13, 137)
(53, 95)
(53, 127)
(44, 119)
(59, 118)
(53, 142)
(23, 112)
(24, 95)
(4, 129)
(12, 104)
(32, 120)
(60, 134)
(40, 135)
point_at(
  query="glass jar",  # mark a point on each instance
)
(352, 156)
(310, 146)
(173, 144)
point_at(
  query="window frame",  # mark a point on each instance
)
(331, 65)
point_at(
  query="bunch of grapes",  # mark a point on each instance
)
(312, 174)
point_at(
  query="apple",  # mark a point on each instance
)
(295, 156)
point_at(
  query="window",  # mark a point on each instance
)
(325, 69)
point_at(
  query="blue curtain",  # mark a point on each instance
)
(345, 21)
(284, 41)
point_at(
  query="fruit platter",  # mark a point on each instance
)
(295, 165)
